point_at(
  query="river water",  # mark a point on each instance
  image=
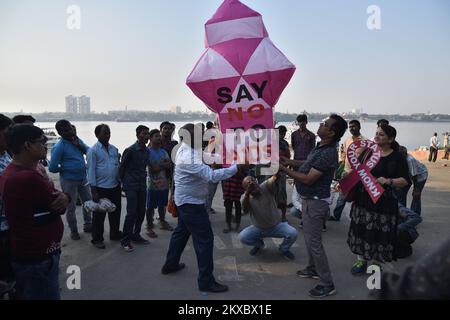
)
(411, 134)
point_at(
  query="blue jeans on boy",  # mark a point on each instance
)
(416, 203)
(193, 219)
(38, 281)
(252, 236)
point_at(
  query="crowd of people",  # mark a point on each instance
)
(32, 208)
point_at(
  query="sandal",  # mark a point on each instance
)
(151, 233)
(166, 226)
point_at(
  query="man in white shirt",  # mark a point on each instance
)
(191, 189)
(434, 146)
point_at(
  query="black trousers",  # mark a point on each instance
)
(98, 217)
(229, 211)
(433, 154)
(6, 272)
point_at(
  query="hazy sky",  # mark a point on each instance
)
(139, 53)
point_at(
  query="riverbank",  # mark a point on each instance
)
(422, 155)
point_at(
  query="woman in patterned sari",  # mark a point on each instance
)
(373, 227)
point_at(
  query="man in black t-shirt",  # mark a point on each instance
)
(313, 181)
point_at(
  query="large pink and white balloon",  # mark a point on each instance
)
(242, 74)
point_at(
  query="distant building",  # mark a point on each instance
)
(71, 104)
(356, 111)
(176, 109)
(78, 105)
(84, 105)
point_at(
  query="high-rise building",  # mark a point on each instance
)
(84, 105)
(71, 104)
(176, 109)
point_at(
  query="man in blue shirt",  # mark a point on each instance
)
(103, 177)
(158, 183)
(68, 159)
(133, 174)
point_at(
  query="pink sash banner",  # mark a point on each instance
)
(361, 171)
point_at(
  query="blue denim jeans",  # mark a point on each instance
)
(340, 205)
(38, 281)
(252, 236)
(409, 221)
(193, 219)
(416, 203)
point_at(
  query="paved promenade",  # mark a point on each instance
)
(115, 274)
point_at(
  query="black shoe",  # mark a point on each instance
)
(166, 270)
(216, 288)
(288, 254)
(228, 228)
(308, 273)
(140, 240)
(290, 205)
(333, 218)
(322, 291)
(99, 244)
(256, 250)
(75, 236)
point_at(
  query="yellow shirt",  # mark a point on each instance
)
(347, 143)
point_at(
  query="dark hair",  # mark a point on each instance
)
(355, 122)
(403, 150)
(391, 133)
(99, 128)
(190, 128)
(61, 124)
(382, 122)
(141, 128)
(21, 133)
(4, 121)
(302, 118)
(22, 118)
(163, 124)
(153, 132)
(339, 126)
(209, 125)
(282, 129)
